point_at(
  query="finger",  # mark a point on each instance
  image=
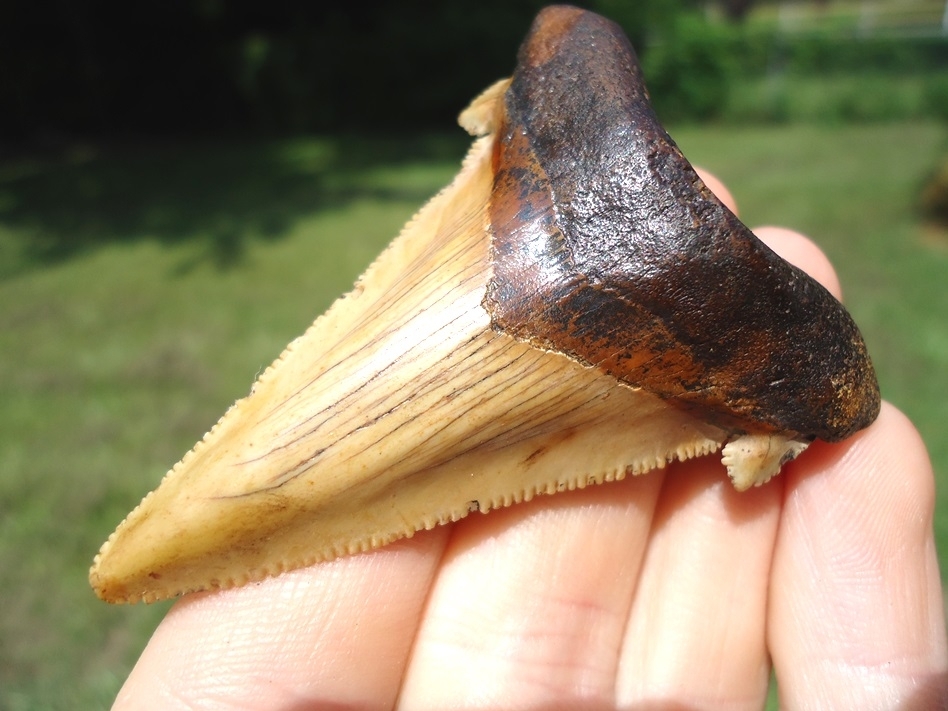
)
(528, 609)
(856, 617)
(336, 634)
(696, 633)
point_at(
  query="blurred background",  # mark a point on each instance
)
(184, 186)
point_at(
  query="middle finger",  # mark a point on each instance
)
(529, 606)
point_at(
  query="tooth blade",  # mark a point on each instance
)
(421, 470)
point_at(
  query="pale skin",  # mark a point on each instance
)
(665, 591)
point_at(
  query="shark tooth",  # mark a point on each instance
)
(574, 307)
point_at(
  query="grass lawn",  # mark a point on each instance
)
(141, 290)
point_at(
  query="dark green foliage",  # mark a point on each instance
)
(837, 54)
(743, 75)
(99, 68)
(690, 69)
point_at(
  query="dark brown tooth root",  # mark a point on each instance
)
(607, 247)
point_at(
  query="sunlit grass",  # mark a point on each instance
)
(144, 289)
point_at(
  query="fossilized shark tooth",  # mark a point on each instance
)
(576, 306)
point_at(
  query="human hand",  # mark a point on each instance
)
(668, 590)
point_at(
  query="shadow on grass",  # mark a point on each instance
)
(220, 194)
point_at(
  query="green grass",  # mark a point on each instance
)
(142, 289)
